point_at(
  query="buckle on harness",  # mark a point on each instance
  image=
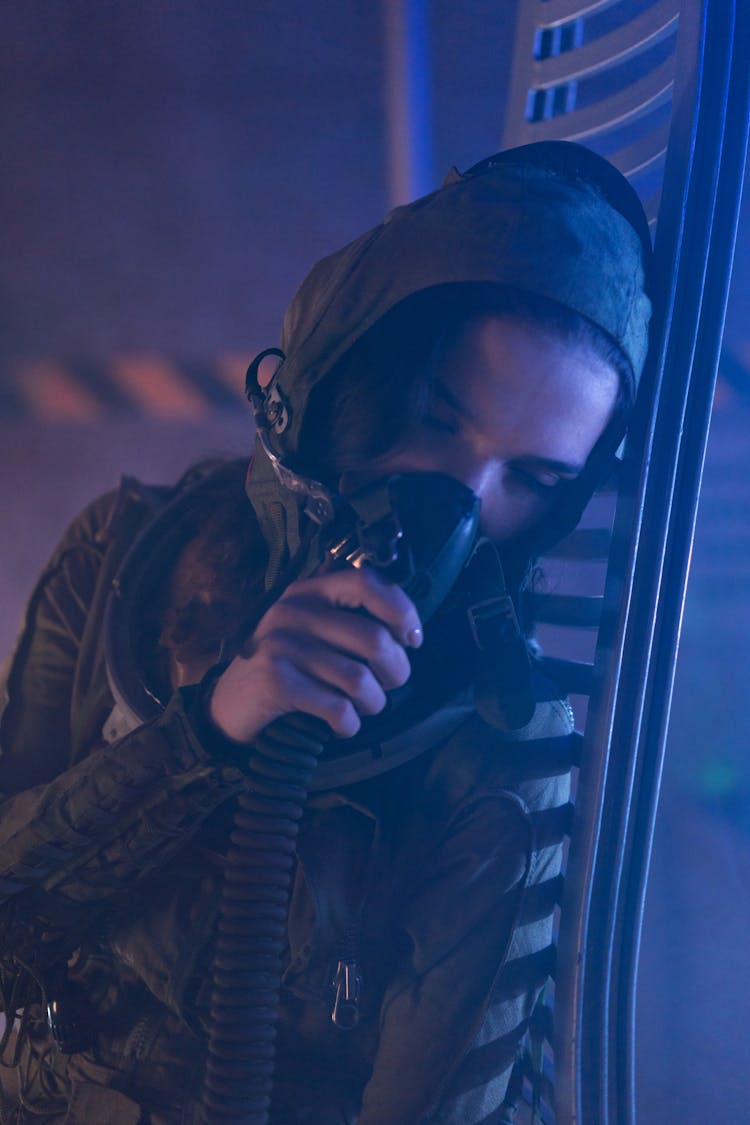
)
(493, 621)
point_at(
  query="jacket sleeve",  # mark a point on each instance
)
(460, 922)
(74, 837)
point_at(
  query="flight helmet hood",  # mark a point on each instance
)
(551, 219)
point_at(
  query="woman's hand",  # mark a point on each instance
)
(331, 646)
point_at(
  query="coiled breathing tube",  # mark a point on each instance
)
(419, 529)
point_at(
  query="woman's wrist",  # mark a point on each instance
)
(212, 736)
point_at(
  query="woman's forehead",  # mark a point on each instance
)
(526, 388)
(515, 355)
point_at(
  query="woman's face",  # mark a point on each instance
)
(516, 410)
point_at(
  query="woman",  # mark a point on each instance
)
(471, 360)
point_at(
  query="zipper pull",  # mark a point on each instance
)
(348, 984)
(70, 1016)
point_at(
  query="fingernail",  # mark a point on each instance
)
(415, 637)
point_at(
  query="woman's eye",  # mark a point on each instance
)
(547, 480)
(539, 480)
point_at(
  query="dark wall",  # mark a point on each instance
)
(171, 169)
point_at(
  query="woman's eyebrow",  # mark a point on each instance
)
(448, 396)
(566, 468)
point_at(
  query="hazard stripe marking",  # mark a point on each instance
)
(231, 369)
(220, 393)
(150, 385)
(49, 392)
(99, 382)
(156, 386)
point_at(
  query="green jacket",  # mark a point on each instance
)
(112, 865)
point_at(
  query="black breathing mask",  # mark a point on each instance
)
(421, 531)
(417, 529)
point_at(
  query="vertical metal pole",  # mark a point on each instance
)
(408, 100)
(626, 733)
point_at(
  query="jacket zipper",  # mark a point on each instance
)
(347, 981)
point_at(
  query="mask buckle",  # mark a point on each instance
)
(271, 411)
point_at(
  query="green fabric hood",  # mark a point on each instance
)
(528, 218)
(552, 219)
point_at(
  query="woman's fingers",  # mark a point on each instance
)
(354, 634)
(331, 647)
(363, 588)
(332, 669)
(254, 691)
(302, 692)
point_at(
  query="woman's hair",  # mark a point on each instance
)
(367, 406)
(378, 393)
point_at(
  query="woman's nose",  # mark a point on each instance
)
(481, 475)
